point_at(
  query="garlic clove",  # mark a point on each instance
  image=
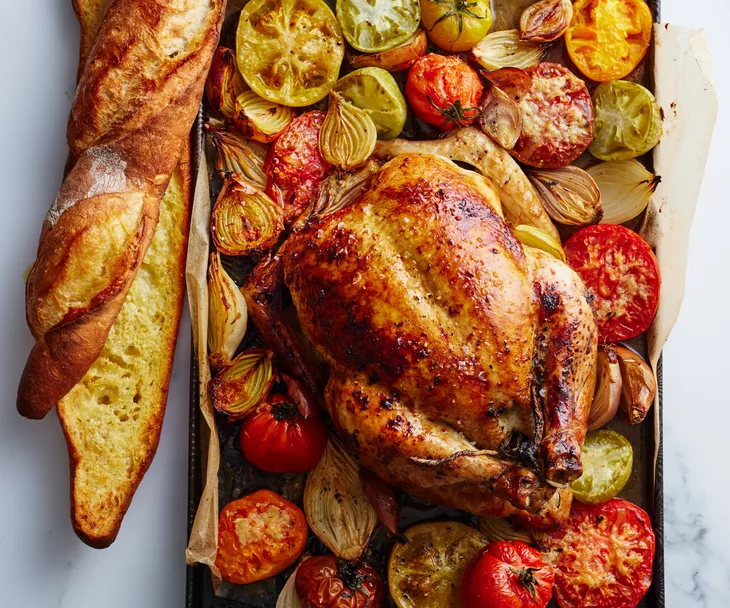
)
(639, 386)
(546, 20)
(539, 239)
(260, 119)
(335, 504)
(244, 218)
(569, 194)
(626, 187)
(348, 134)
(224, 83)
(607, 394)
(236, 154)
(227, 314)
(399, 59)
(505, 49)
(501, 118)
(244, 383)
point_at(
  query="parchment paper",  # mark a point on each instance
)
(203, 542)
(684, 89)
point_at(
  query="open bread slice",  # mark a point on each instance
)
(113, 417)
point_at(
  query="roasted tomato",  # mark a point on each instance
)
(621, 272)
(602, 556)
(507, 575)
(278, 439)
(294, 166)
(328, 582)
(259, 535)
(607, 39)
(444, 91)
(456, 25)
(557, 113)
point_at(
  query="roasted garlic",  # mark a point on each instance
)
(224, 83)
(227, 314)
(539, 239)
(639, 386)
(335, 504)
(399, 59)
(546, 20)
(569, 195)
(244, 383)
(348, 134)
(244, 218)
(607, 393)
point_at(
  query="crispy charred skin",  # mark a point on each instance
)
(423, 304)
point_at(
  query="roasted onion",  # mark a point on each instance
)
(244, 218)
(501, 118)
(607, 394)
(498, 528)
(504, 49)
(236, 154)
(260, 119)
(398, 59)
(348, 134)
(244, 383)
(569, 194)
(546, 20)
(539, 239)
(224, 83)
(227, 314)
(626, 187)
(337, 509)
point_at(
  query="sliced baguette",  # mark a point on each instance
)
(113, 417)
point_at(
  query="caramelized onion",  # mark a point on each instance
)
(399, 59)
(348, 134)
(227, 314)
(505, 49)
(546, 20)
(569, 195)
(639, 386)
(236, 154)
(260, 119)
(244, 218)
(244, 383)
(501, 118)
(337, 509)
(224, 83)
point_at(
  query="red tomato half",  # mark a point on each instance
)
(328, 582)
(278, 439)
(507, 575)
(602, 556)
(557, 113)
(444, 91)
(259, 535)
(294, 165)
(622, 274)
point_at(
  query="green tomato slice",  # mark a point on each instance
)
(607, 461)
(372, 26)
(376, 91)
(628, 121)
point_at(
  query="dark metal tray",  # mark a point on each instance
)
(645, 487)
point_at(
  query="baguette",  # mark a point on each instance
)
(135, 103)
(112, 419)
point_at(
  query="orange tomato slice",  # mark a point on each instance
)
(607, 39)
(259, 535)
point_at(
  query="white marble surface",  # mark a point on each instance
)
(43, 565)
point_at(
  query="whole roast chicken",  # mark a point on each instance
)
(461, 364)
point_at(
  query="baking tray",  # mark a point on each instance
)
(645, 487)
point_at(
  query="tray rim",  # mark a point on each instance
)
(194, 584)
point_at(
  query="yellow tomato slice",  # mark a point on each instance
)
(607, 39)
(426, 571)
(289, 51)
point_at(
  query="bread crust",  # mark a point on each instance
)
(137, 98)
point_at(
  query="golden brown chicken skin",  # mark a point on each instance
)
(461, 364)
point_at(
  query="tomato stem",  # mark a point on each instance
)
(456, 113)
(457, 8)
(528, 580)
(284, 411)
